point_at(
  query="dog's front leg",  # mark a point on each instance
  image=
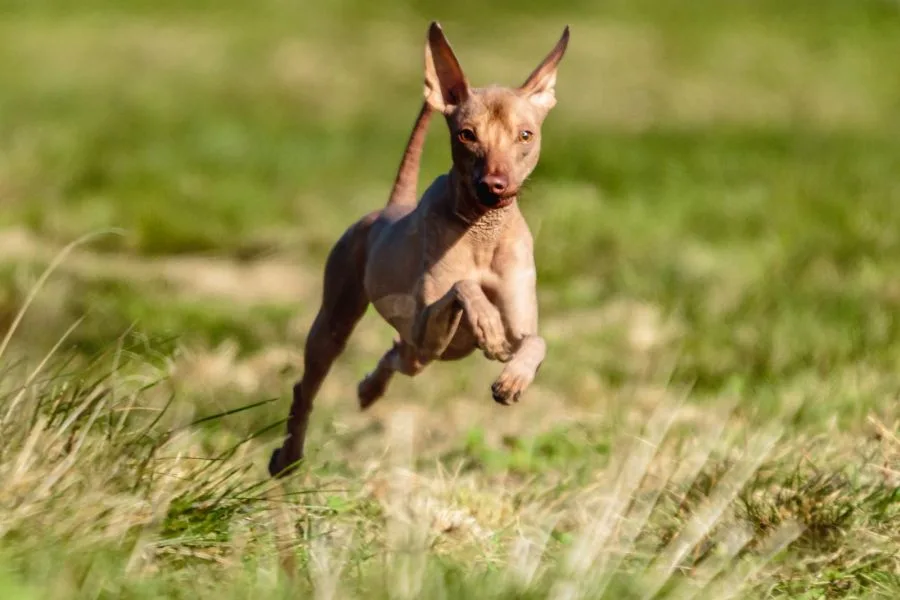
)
(437, 323)
(518, 304)
(519, 372)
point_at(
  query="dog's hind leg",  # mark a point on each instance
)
(401, 358)
(343, 304)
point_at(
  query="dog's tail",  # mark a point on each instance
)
(404, 191)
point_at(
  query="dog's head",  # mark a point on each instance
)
(495, 132)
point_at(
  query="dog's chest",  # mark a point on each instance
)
(458, 263)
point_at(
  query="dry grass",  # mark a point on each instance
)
(132, 491)
(88, 466)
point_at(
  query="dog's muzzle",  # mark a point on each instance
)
(493, 191)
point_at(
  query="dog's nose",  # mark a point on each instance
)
(497, 184)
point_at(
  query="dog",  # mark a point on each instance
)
(453, 272)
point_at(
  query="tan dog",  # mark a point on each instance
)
(451, 273)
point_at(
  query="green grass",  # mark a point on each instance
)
(716, 225)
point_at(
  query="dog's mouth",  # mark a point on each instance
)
(489, 200)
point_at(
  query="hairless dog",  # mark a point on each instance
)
(454, 271)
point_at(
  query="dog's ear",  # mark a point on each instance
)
(445, 84)
(540, 86)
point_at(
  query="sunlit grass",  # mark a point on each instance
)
(715, 220)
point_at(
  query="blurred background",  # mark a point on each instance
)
(716, 204)
(717, 195)
(717, 209)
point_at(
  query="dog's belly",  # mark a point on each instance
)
(399, 310)
(462, 344)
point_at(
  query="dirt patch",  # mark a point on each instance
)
(273, 280)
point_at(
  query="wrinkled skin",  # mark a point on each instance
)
(455, 272)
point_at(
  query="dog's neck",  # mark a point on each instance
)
(480, 224)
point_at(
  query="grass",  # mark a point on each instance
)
(715, 223)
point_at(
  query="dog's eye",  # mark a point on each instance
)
(525, 136)
(466, 135)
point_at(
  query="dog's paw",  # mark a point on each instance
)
(275, 463)
(277, 466)
(370, 389)
(512, 383)
(490, 334)
(501, 352)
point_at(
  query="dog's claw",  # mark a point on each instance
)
(503, 396)
(499, 396)
(511, 384)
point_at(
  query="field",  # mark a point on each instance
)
(717, 222)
